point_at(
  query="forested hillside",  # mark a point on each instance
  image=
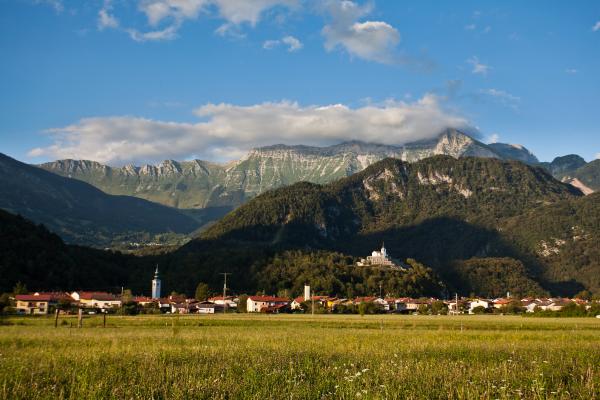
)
(30, 254)
(82, 214)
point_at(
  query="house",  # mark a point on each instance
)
(143, 300)
(473, 304)
(207, 307)
(182, 308)
(297, 303)
(229, 301)
(557, 304)
(501, 302)
(38, 303)
(164, 304)
(408, 305)
(266, 303)
(100, 300)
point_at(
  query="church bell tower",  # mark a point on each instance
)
(156, 285)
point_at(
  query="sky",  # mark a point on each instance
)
(140, 81)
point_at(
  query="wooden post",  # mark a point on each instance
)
(104, 320)
(80, 318)
(56, 318)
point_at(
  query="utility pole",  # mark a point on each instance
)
(456, 309)
(225, 290)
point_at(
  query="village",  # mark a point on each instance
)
(94, 302)
(43, 303)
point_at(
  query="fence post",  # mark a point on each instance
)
(80, 318)
(56, 318)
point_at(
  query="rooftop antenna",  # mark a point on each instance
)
(225, 290)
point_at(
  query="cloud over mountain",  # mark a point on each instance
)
(227, 131)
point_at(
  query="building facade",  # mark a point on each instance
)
(377, 258)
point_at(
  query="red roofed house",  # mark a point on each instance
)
(38, 303)
(101, 300)
(266, 303)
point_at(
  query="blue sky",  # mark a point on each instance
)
(144, 80)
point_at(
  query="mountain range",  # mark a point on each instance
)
(479, 223)
(219, 188)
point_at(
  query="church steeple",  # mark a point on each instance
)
(156, 284)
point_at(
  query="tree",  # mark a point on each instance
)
(242, 303)
(201, 292)
(479, 310)
(127, 296)
(20, 288)
(5, 303)
(438, 307)
(423, 309)
(584, 295)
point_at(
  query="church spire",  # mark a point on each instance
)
(156, 284)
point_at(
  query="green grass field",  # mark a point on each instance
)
(301, 357)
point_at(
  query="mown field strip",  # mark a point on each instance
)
(300, 357)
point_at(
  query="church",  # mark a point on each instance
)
(377, 258)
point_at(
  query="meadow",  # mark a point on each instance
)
(300, 357)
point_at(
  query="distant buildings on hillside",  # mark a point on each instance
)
(378, 258)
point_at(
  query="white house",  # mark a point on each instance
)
(265, 303)
(479, 303)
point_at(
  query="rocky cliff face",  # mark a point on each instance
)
(201, 184)
(514, 152)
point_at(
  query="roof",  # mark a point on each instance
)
(143, 299)
(365, 299)
(221, 298)
(102, 296)
(269, 299)
(41, 296)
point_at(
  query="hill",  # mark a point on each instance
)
(438, 210)
(393, 194)
(32, 255)
(79, 212)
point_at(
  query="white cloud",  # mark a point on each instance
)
(169, 33)
(249, 11)
(493, 138)
(478, 67)
(470, 27)
(271, 44)
(571, 71)
(293, 43)
(370, 40)
(596, 27)
(503, 97)
(105, 18)
(597, 156)
(226, 131)
(176, 12)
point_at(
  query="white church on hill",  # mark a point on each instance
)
(377, 258)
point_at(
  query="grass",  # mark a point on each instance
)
(301, 357)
